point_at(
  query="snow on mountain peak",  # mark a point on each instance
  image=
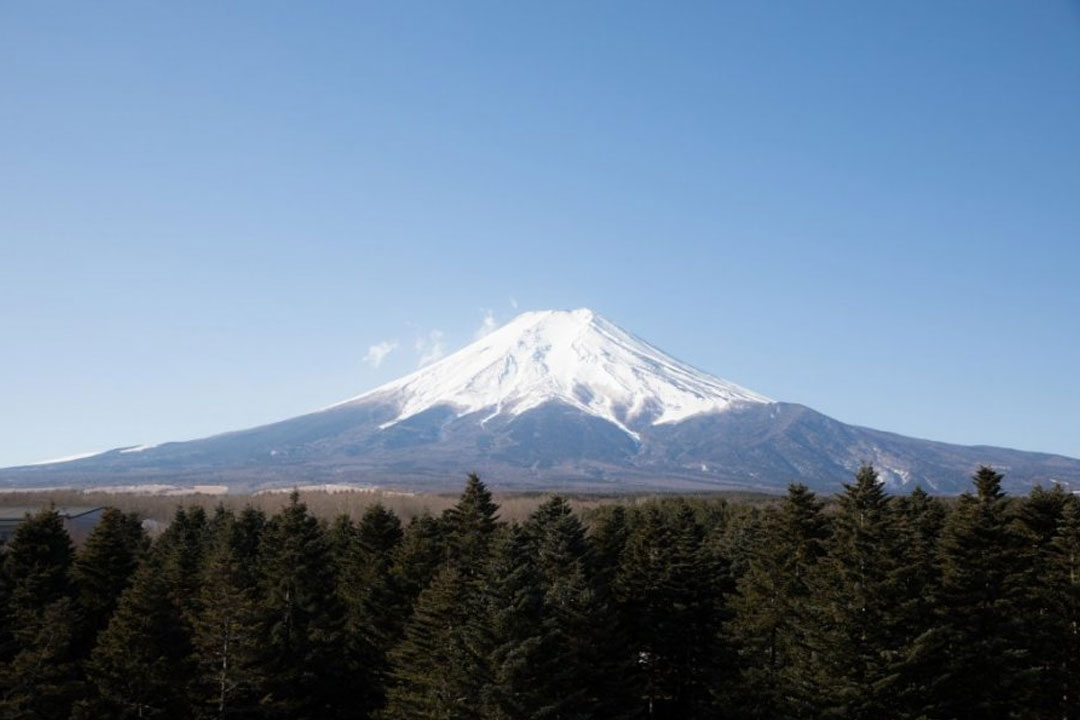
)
(573, 356)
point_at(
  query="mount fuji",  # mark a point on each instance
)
(555, 400)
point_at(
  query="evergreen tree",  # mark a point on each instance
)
(140, 666)
(573, 619)
(520, 643)
(418, 558)
(342, 538)
(440, 668)
(668, 587)
(104, 566)
(39, 678)
(771, 608)
(974, 640)
(1035, 524)
(302, 619)
(915, 582)
(376, 610)
(852, 629)
(470, 525)
(225, 630)
(180, 552)
(1062, 657)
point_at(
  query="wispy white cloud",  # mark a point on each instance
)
(378, 352)
(487, 325)
(430, 347)
(513, 302)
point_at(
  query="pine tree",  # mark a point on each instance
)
(302, 619)
(104, 566)
(1035, 524)
(375, 608)
(852, 628)
(515, 614)
(574, 683)
(1062, 658)
(140, 666)
(418, 558)
(180, 552)
(974, 640)
(39, 680)
(668, 584)
(915, 582)
(342, 538)
(470, 525)
(771, 608)
(608, 537)
(440, 667)
(225, 629)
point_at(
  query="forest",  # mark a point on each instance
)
(862, 606)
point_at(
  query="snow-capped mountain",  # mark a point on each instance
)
(573, 357)
(555, 399)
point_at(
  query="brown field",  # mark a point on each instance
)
(327, 505)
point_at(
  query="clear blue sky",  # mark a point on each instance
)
(209, 212)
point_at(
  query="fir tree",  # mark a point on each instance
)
(180, 552)
(376, 610)
(440, 667)
(140, 666)
(1062, 657)
(520, 643)
(771, 608)
(302, 619)
(418, 557)
(470, 525)
(974, 640)
(915, 581)
(668, 586)
(573, 620)
(225, 629)
(40, 679)
(1036, 520)
(104, 566)
(852, 629)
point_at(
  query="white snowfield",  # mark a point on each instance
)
(574, 356)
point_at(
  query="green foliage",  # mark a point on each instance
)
(226, 639)
(870, 607)
(302, 619)
(440, 668)
(852, 631)
(975, 646)
(141, 665)
(772, 609)
(104, 566)
(376, 607)
(469, 526)
(39, 678)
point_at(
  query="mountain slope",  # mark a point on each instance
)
(575, 357)
(556, 400)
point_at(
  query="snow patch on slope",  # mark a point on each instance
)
(576, 357)
(69, 458)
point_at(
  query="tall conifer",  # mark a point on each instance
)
(302, 619)
(225, 629)
(141, 664)
(772, 605)
(974, 640)
(39, 678)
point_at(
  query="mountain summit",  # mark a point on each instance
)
(555, 400)
(575, 357)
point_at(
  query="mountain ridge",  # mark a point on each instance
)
(556, 400)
